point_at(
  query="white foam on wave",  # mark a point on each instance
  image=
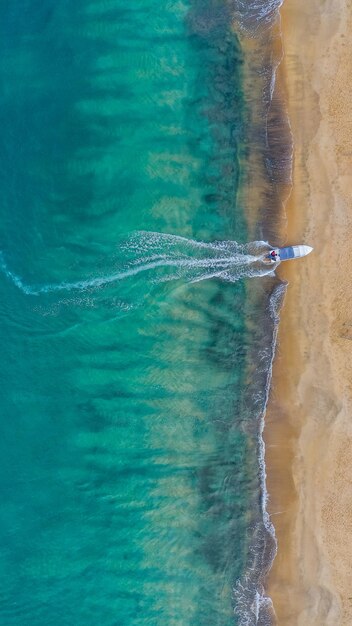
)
(253, 606)
(251, 15)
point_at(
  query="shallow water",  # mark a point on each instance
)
(136, 354)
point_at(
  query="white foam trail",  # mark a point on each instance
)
(221, 259)
(15, 279)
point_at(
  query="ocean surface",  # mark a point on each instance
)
(138, 320)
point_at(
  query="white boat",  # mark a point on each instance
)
(285, 254)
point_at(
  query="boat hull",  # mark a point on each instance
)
(288, 253)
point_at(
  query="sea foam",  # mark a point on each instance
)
(165, 257)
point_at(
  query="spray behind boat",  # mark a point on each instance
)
(286, 254)
(162, 257)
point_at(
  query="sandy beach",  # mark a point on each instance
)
(309, 419)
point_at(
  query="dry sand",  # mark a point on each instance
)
(309, 420)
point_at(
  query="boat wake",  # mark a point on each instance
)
(162, 257)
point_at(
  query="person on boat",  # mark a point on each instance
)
(273, 255)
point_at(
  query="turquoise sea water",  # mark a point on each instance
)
(131, 386)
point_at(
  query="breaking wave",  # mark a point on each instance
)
(255, 14)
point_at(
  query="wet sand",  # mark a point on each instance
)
(309, 419)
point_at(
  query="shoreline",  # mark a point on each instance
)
(308, 432)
